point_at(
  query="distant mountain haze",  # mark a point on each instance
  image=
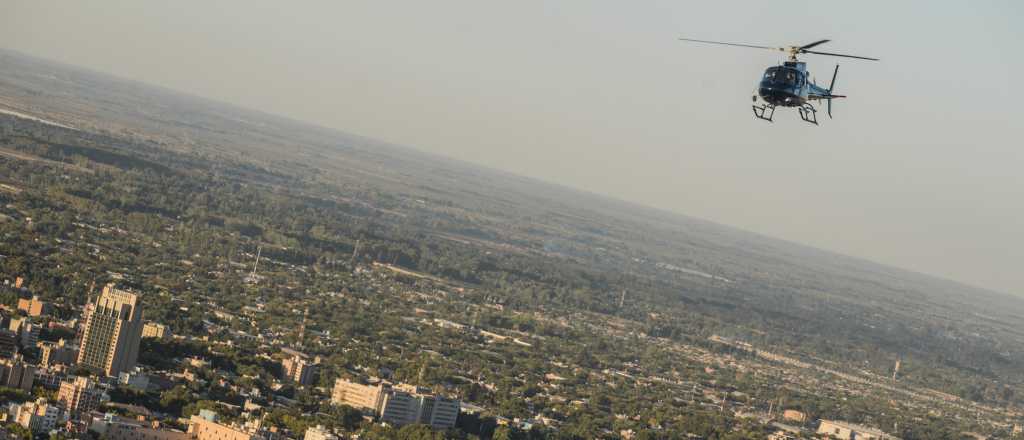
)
(921, 167)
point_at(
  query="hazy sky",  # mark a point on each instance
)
(922, 167)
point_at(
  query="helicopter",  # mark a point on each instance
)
(789, 85)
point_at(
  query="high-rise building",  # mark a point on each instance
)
(79, 395)
(16, 373)
(398, 405)
(112, 331)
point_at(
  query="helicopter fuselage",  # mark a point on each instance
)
(789, 85)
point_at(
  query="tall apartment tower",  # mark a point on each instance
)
(112, 331)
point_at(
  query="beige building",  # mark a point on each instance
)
(207, 428)
(112, 331)
(793, 415)
(850, 431)
(38, 416)
(79, 395)
(318, 432)
(398, 405)
(26, 330)
(300, 369)
(112, 427)
(16, 373)
(154, 330)
(35, 306)
(359, 396)
(56, 353)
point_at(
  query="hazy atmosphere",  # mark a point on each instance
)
(920, 169)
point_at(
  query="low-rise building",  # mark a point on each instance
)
(135, 379)
(27, 332)
(50, 377)
(154, 330)
(793, 415)
(318, 432)
(207, 428)
(35, 306)
(56, 353)
(113, 427)
(39, 416)
(850, 431)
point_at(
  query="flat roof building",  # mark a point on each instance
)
(16, 373)
(850, 431)
(8, 343)
(399, 405)
(154, 330)
(38, 417)
(113, 427)
(207, 428)
(79, 395)
(26, 331)
(56, 353)
(300, 369)
(359, 396)
(35, 306)
(318, 432)
(112, 332)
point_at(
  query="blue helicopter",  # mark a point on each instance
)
(789, 84)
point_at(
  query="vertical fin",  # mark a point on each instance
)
(830, 87)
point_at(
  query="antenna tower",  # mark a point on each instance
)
(302, 328)
(259, 250)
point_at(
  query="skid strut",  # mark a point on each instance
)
(764, 111)
(809, 113)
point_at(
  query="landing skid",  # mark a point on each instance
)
(808, 113)
(764, 111)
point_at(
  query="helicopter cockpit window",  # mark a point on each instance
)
(791, 77)
(769, 74)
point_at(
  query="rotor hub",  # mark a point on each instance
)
(793, 51)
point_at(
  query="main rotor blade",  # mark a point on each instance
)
(839, 55)
(808, 46)
(731, 44)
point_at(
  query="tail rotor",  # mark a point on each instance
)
(830, 87)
